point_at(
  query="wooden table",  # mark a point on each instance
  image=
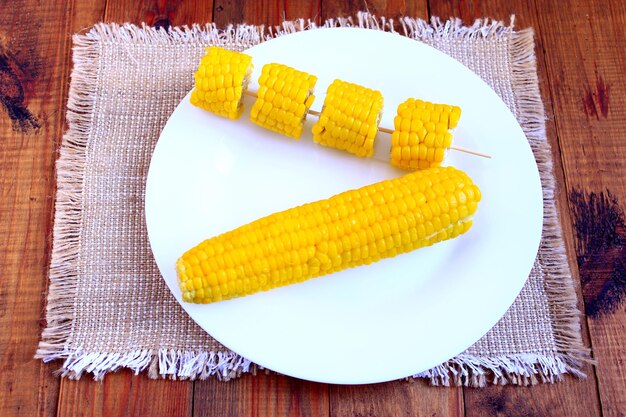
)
(581, 59)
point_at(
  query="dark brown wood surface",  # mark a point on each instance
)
(581, 64)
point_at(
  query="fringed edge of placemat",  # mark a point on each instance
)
(572, 354)
(467, 370)
(161, 363)
(64, 261)
(559, 283)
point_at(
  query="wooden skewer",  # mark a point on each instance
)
(470, 151)
(387, 130)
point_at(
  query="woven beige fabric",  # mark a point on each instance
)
(108, 306)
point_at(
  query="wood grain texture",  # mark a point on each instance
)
(124, 394)
(586, 72)
(305, 9)
(159, 13)
(396, 399)
(261, 395)
(265, 12)
(589, 98)
(549, 400)
(84, 15)
(33, 75)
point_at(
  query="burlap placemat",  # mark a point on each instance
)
(108, 307)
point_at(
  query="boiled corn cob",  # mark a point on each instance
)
(283, 100)
(220, 81)
(349, 229)
(349, 118)
(422, 133)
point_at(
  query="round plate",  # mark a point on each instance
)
(373, 323)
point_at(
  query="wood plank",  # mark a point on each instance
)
(264, 394)
(124, 394)
(160, 13)
(552, 400)
(260, 395)
(84, 15)
(122, 391)
(238, 403)
(542, 400)
(388, 8)
(397, 398)
(34, 69)
(306, 9)
(80, 17)
(586, 65)
(265, 12)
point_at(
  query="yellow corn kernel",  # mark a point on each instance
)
(221, 78)
(284, 98)
(349, 119)
(352, 228)
(422, 134)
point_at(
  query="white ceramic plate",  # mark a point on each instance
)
(374, 323)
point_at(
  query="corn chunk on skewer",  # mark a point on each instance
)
(283, 100)
(220, 80)
(422, 133)
(352, 228)
(349, 118)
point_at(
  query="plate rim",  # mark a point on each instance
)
(485, 85)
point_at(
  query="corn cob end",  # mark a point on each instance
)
(284, 98)
(349, 119)
(220, 81)
(422, 134)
